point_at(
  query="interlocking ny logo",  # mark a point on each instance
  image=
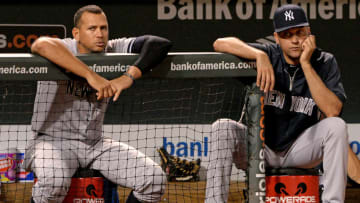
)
(280, 188)
(289, 15)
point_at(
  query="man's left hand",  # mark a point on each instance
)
(308, 47)
(120, 84)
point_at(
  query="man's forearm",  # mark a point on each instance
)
(235, 46)
(325, 99)
(56, 52)
(265, 78)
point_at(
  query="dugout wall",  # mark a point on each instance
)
(172, 106)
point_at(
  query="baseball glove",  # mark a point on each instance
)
(177, 169)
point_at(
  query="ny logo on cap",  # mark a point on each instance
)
(289, 15)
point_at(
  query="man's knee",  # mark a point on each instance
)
(226, 130)
(224, 124)
(51, 189)
(337, 128)
(225, 127)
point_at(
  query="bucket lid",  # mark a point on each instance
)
(292, 171)
(86, 172)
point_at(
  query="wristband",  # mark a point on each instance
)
(130, 76)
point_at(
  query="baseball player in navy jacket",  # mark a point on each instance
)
(303, 98)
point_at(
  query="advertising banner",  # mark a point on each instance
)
(17, 38)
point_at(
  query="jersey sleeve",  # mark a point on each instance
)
(70, 44)
(120, 45)
(263, 47)
(333, 80)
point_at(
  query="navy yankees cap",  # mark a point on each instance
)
(289, 16)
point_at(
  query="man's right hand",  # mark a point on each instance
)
(102, 85)
(54, 50)
(265, 73)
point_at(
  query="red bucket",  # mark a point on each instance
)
(89, 186)
(84, 189)
(292, 185)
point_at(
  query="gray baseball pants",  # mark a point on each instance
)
(326, 142)
(55, 161)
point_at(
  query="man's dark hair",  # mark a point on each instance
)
(89, 8)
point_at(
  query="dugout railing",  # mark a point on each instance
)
(206, 74)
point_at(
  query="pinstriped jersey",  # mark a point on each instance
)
(69, 109)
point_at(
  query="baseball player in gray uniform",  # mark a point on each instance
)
(68, 115)
(303, 99)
